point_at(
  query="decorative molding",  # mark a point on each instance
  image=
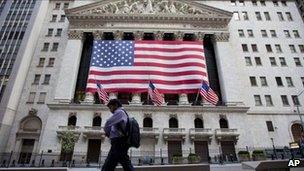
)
(75, 34)
(138, 35)
(179, 35)
(118, 35)
(221, 37)
(200, 36)
(147, 115)
(33, 111)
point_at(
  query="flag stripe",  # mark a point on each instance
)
(153, 56)
(151, 77)
(170, 65)
(169, 62)
(146, 81)
(149, 69)
(176, 50)
(169, 54)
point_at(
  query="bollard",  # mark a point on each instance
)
(53, 163)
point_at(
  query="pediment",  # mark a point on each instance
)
(148, 7)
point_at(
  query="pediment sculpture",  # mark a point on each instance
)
(146, 7)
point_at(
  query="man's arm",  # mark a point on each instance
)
(114, 119)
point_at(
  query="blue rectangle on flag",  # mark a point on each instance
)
(112, 53)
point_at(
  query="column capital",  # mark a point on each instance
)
(138, 35)
(89, 99)
(200, 36)
(118, 35)
(136, 99)
(159, 35)
(75, 34)
(183, 100)
(98, 35)
(179, 35)
(220, 37)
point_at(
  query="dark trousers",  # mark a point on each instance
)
(118, 154)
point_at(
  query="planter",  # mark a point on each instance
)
(243, 156)
(258, 155)
(177, 160)
(193, 158)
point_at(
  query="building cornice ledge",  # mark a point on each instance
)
(147, 108)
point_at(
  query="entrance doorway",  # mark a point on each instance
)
(26, 151)
(201, 149)
(174, 149)
(228, 150)
(93, 150)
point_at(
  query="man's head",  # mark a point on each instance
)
(114, 104)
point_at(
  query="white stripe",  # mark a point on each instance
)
(148, 68)
(165, 46)
(144, 86)
(145, 77)
(173, 54)
(161, 61)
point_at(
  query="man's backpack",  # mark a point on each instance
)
(132, 132)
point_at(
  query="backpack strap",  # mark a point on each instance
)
(124, 132)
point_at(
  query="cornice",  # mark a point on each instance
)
(150, 108)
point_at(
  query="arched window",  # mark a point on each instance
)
(72, 120)
(97, 121)
(296, 130)
(223, 123)
(198, 123)
(148, 122)
(173, 123)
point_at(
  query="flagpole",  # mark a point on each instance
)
(198, 92)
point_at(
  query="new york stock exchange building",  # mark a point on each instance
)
(253, 54)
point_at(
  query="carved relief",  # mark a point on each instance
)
(179, 35)
(98, 35)
(138, 35)
(146, 7)
(200, 36)
(118, 35)
(159, 35)
(75, 34)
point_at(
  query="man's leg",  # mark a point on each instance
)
(110, 162)
(125, 161)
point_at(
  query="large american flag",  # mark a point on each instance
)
(208, 94)
(128, 66)
(155, 96)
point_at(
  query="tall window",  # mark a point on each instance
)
(258, 16)
(280, 15)
(272, 61)
(292, 49)
(245, 15)
(301, 47)
(198, 123)
(296, 33)
(287, 34)
(147, 122)
(297, 62)
(51, 62)
(289, 17)
(289, 81)
(263, 3)
(250, 33)
(55, 47)
(278, 48)
(279, 81)
(245, 48)
(50, 32)
(248, 61)
(45, 47)
(268, 100)
(41, 62)
(258, 61)
(31, 97)
(59, 32)
(257, 100)
(254, 3)
(47, 78)
(268, 48)
(275, 3)
(66, 5)
(41, 99)
(284, 3)
(302, 79)
(96, 121)
(273, 33)
(254, 47)
(236, 15)
(284, 100)
(295, 100)
(242, 3)
(263, 81)
(57, 6)
(72, 120)
(264, 33)
(241, 33)
(269, 126)
(54, 17)
(233, 2)
(282, 61)
(223, 123)
(173, 123)
(62, 18)
(267, 16)
(36, 79)
(253, 81)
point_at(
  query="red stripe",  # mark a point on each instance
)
(169, 50)
(104, 82)
(143, 90)
(168, 42)
(152, 64)
(184, 73)
(170, 58)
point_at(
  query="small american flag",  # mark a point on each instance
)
(155, 96)
(102, 94)
(208, 94)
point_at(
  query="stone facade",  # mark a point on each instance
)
(246, 121)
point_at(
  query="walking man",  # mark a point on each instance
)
(115, 130)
